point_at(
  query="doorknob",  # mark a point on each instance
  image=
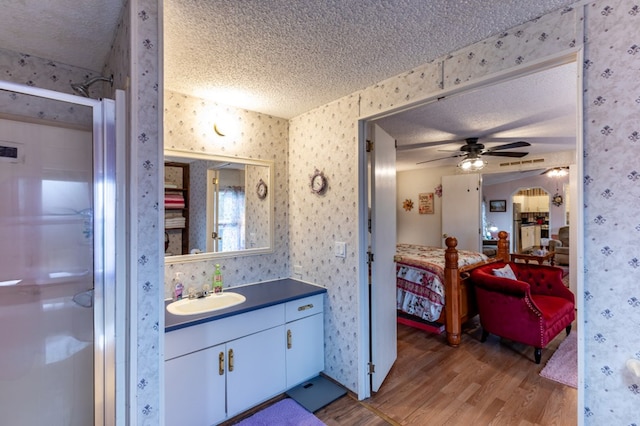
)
(84, 298)
(445, 235)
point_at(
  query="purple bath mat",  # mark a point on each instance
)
(286, 412)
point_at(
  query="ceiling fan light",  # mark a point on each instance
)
(472, 164)
(557, 172)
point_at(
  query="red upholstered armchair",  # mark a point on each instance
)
(531, 309)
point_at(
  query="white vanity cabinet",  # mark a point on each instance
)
(305, 339)
(218, 369)
(255, 369)
(195, 391)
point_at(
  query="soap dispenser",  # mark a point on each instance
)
(217, 280)
(178, 287)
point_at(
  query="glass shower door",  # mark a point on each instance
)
(46, 261)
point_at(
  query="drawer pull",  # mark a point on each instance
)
(221, 363)
(230, 359)
(305, 307)
(288, 339)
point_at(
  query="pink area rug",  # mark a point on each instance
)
(286, 412)
(562, 367)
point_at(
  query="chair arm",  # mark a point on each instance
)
(554, 244)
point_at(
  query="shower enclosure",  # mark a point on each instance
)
(57, 256)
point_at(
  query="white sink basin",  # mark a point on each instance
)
(210, 303)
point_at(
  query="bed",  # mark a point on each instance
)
(432, 289)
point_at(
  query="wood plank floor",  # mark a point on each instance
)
(491, 383)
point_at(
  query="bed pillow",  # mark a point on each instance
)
(505, 272)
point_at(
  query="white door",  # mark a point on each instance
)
(383, 246)
(461, 198)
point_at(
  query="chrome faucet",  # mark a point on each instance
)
(194, 294)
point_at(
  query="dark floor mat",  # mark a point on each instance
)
(316, 393)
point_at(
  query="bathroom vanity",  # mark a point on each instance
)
(222, 363)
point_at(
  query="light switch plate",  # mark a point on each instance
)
(340, 249)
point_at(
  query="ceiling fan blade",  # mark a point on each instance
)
(438, 159)
(512, 145)
(458, 151)
(424, 145)
(506, 154)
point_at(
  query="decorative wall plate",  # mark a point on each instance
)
(318, 182)
(557, 200)
(261, 189)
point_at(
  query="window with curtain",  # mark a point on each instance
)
(231, 218)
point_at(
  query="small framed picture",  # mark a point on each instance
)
(498, 205)
(425, 203)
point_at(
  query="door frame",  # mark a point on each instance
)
(108, 363)
(577, 215)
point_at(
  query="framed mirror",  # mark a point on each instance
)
(216, 206)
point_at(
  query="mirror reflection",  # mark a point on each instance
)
(216, 206)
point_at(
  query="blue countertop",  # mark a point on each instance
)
(260, 295)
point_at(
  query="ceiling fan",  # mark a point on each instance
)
(472, 150)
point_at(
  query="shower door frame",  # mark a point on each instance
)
(104, 242)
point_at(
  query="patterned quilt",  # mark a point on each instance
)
(420, 278)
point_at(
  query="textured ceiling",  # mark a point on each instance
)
(73, 32)
(286, 57)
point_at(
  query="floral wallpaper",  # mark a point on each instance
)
(526, 43)
(189, 125)
(611, 196)
(43, 73)
(145, 154)
(325, 139)
(46, 74)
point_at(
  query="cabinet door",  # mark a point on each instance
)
(255, 369)
(195, 391)
(305, 349)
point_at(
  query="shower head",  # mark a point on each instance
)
(83, 88)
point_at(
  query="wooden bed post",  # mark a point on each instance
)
(503, 246)
(452, 292)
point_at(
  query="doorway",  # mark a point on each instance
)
(57, 228)
(389, 117)
(531, 213)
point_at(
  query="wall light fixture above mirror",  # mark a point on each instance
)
(212, 208)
